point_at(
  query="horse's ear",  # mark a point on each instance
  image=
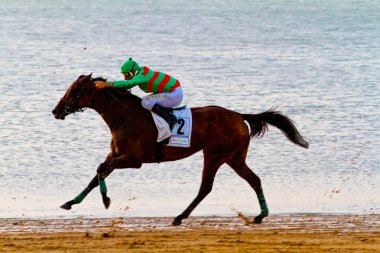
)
(90, 75)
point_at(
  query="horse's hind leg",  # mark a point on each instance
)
(239, 165)
(209, 170)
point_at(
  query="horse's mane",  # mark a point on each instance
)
(119, 93)
(99, 79)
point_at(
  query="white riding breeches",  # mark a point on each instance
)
(167, 100)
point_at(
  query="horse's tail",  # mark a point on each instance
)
(259, 125)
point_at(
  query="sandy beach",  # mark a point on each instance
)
(279, 233)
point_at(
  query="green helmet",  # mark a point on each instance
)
(129, 66)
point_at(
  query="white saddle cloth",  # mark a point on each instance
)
(180, 136)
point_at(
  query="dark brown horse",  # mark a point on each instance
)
(220, 133)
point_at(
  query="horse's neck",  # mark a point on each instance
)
(113, 107)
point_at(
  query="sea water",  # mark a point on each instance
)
(316, 61)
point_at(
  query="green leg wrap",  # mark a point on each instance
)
(103, 186)
(263, 204)
(81, 195)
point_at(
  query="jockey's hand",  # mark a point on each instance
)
(100, 84)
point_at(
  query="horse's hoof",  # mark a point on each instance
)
(176, 222)
(66, 206)
(107, 202)
(258, 220)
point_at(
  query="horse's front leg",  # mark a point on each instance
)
(78, 199)
(94, 183)
(123, 161)
(102, 172)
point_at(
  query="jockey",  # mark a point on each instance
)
(165, 90)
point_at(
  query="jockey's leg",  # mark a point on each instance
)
(165, 114)
(158, 103)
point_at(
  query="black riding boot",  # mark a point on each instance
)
(165, 114)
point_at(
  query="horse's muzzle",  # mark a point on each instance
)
(59, 115)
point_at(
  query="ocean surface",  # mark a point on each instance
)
(316, 61)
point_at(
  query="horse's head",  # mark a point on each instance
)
(76, 98)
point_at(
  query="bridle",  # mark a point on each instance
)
(69, 103)
(85, 88)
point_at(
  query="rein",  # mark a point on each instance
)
(85, 88)
(122, 104)
(117, 100)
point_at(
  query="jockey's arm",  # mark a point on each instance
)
(128, 84)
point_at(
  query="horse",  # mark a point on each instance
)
(221, 133)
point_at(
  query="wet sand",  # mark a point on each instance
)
(278, 233)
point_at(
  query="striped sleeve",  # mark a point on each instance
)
(127, 84)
